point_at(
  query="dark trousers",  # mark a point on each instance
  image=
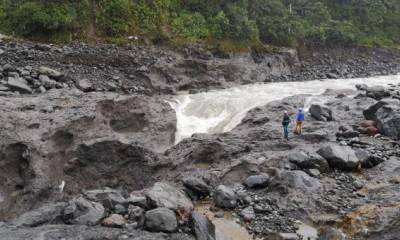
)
(286, 131)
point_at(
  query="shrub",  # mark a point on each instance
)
(114, 16)
(190, 26)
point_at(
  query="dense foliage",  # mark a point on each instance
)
(278, 22)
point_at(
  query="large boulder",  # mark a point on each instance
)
(48, 214)
(370, 112)
(321, 113)
(341, 157)
(388, 118)
(202, 227)
(165, 195)
(225, 197)
(161, 220)
(83, 212)
(306, 160)
(295, 180)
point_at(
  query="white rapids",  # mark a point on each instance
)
(221, 110)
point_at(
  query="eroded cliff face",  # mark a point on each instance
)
(86, 139)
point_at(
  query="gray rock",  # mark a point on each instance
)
(257, 181)
(388, 118)
(370, 112)
(108, 197)
(341, 157)
(161, 220)
(119, 209)
(248, 214)
(297, 181)
(85, 85)
(83, 212)
(321, 113)
(138, 200)
(202, 227)
(48, 214)
(164, 195)
(136, 214)
(225, 197)
(197, 186)
(305, 160)
(47, 82)
(377, 92)
(50, 72)
(19, 85)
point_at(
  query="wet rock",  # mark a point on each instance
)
(307, 160)
(48, 214)
(341, 157)
(388, 118)
(321, 113)
(114, 220)
(18, 84)
(197, 187)
(248, 214)
(165, 195)
(161, 220)
(225, 197)
(83, 212)
(377, 92)
(257, 181)
(202, 227)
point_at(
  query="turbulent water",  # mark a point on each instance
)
(222, 110)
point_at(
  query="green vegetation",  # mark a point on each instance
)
(275, 22)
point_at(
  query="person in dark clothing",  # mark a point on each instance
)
(285, 124)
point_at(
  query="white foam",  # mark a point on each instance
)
(221, 110)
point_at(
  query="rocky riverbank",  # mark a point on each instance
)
(36, 68)
(80, 160)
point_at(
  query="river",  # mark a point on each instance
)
(221, 110)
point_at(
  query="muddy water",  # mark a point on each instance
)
(222, 110)
(225, 228)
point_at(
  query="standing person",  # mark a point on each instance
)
(299, 121)
(285, 124)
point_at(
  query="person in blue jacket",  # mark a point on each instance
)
(299, 121)
(285, 124)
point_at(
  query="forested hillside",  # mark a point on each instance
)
(276, 22)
